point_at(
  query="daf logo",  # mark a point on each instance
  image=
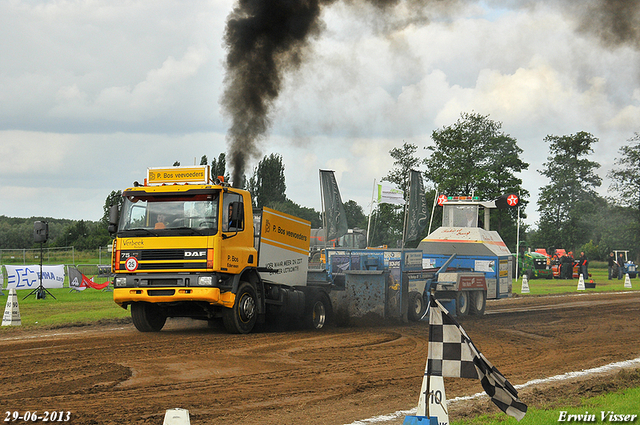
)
(195, 253)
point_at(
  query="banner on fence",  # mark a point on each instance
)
(80, 282)
(28, 277)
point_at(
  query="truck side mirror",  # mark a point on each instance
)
(114, 214)
(237, 214)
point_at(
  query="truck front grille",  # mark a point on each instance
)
(165, 259)
(161, 254)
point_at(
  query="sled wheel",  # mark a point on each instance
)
(478, 302)
(417, 306)
(462, 303)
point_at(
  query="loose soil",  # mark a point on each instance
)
(113, 374)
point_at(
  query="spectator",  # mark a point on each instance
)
(620, 266)
(566, 269)
(612, 263)
(583, 265)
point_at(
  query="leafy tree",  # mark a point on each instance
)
(114, 198)
(268, 182)
(568, 203)
(355, 215)
(290, 207)
(626, 184)
(219, 167)
(405, 161)
(386, 227)
(626, 174)
(474, 156)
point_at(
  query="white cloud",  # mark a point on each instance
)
(94, 92)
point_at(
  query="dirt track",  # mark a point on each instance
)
(115, 375)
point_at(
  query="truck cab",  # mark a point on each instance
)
(183, 247)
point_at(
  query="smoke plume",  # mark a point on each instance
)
(266, 39)
(615, 22)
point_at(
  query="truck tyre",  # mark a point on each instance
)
(147, 317)
(417, 306)
(462, 303)
(478, 302)
(318, 311)
(242, 317)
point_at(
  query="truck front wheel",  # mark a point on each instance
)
(241, 318)
(147, 317)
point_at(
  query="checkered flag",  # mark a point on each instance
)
(452, 354)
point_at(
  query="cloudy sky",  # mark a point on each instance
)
(92, 92)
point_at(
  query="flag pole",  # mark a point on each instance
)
(518, 238)
(427, 399)
(433, 208)
(373, 190)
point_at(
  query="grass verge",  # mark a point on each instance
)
(562, 286)
(69, 307)
(599, 409)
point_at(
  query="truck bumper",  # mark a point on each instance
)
(125, 296)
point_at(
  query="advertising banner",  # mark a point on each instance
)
(284, 246)
(28, 277)
(335, 215)
(390, 195)
(417, 213)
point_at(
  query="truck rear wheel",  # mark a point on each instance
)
(318, 312)
(417, 306)
(147, 317)
(241, 318)
(478, 302)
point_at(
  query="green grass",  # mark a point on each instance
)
(561, 286)
(623, 402)
(75, 308)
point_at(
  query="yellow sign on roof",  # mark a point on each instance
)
(172, 175)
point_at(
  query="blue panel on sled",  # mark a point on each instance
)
(420, 420)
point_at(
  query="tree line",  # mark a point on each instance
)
(475, 157)
(472, 156)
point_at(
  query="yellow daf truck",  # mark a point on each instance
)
(187, 245)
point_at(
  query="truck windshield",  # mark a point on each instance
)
(159, 214)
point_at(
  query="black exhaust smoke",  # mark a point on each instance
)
(267, 38)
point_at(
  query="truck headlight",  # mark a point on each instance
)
(120, 282)
(205, 281)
